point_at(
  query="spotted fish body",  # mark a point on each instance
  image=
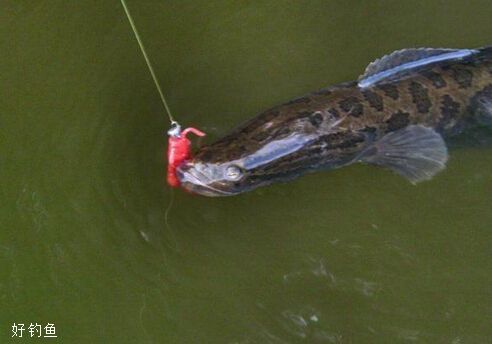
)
(397, 115)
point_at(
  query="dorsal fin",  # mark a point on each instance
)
(403, 60)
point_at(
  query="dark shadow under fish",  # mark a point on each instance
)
(398, 115)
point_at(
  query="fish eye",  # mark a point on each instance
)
(233, 173)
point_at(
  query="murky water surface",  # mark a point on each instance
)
(356, 255)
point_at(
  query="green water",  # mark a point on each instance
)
(356, 255)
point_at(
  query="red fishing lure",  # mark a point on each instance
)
(178, 150)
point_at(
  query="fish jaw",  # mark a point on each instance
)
(195, 182)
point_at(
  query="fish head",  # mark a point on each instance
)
(226, 171)
(275, 146)
(256, 154)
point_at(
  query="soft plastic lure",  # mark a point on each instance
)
(178, 150)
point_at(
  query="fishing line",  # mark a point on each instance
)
(175, 128)
(149, 65)
(173, 245)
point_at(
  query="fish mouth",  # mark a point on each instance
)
(198, 183)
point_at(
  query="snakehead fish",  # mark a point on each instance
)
(399, 114)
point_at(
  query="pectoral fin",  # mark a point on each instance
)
(415, 152)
